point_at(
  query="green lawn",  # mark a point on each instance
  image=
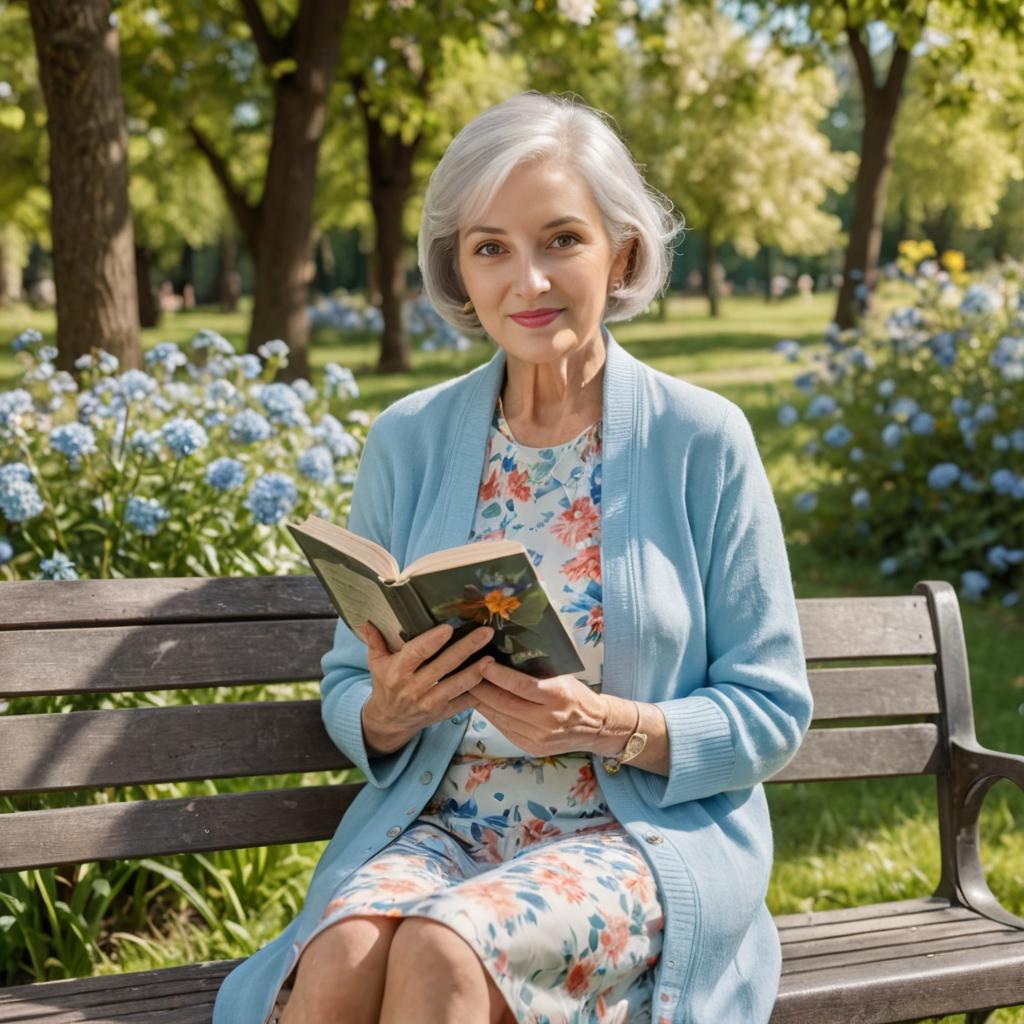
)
(837, 844)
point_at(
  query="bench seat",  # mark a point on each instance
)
(921, 955)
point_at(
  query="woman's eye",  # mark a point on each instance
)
(573, 238)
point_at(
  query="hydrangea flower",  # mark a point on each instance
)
(225, 474)
(27, 337)
(165, 356)
(892, 435)
(821, 405)
(886, 387)
(221, 391)
(860, 498)
(889, 566)
(276, 349)
(339, 381)
(305, 391)
(806, 501)
(73, 440)
(145, 442)
(47, 353)
(1001, 558)
(212, 342)
(973, 584)
(980, 301)
(6, 551)
(856, 455)
(283, 405)
(249, 364)
(922, 423)
(59, 567)
(1003, 481)
(943, 475)
(317, 463)
(271, 498)
(107, 363)
(788, 415)
(985, 413)
(336, 437)
(806, 381)
(145, 514)
(788, 348)
(184, 436)
(134, 385)
(249, 427)
(903, 408)
(19, 497)
(837, 435)
(12, 405)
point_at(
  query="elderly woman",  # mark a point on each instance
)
(592, 847)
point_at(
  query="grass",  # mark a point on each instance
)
(839, 843)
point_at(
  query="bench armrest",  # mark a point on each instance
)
(974, 771)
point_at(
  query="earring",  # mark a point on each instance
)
(467, 306)
(617, 284)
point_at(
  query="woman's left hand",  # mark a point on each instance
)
(544, 717)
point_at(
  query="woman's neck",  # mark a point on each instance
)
(547, 404)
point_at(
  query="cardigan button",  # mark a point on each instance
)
(653, 837)
(426, 777)
(394, 831)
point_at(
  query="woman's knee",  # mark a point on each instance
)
(340, 975)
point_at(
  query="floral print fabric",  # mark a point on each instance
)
(520, 855)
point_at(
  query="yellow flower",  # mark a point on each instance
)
(954, 261)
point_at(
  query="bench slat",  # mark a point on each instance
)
(865, 753)
(849, 923)
(789, 924)
(865, 627)
(26, 604)
(152, 828)
(874, 692)
(171, 995)
(85, 749)
(167, 657)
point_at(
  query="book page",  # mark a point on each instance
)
(464, 554)
(355, 591)
(379, 559)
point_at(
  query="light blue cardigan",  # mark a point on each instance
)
(700, 619)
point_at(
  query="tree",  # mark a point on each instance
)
(932, 29)
(91, 222)
(728, 130)
(958, 143)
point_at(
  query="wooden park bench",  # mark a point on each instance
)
(870, 659)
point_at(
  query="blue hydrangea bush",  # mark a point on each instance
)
(916, 423)
(188, 467)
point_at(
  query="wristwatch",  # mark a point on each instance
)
(634, 745)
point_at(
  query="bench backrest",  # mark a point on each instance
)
(889, 677)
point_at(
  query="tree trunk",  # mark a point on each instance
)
(228, 279)
(278, 230)
(3, 272)
(149, 308)
(710, 269)
(881, 104)
(940, 228)
(766, 271)
(77, 51)
(390, 183)
(285, 246)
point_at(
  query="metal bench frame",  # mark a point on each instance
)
(957, 950)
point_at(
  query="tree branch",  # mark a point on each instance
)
(245, 213)
(271, 48)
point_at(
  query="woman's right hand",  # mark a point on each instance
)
(413, 689)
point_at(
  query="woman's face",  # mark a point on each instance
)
(515, 257)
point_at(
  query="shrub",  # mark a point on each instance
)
(185, 468)
(918, 420)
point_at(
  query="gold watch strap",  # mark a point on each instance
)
(634, 745)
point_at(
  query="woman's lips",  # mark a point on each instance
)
(535, 321)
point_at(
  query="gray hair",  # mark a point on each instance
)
(529, 126)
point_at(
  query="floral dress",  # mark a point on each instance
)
(520, 855)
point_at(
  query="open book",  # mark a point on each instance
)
(490, 583)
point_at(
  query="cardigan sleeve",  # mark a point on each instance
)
(346, 685)
(747, 722)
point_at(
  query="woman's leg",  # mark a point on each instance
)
(341, 973)
(435, 977)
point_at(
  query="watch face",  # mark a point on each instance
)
(636, 743)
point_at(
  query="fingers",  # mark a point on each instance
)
(456, 655)
(454, 692)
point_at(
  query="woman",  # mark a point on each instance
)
(594, 847)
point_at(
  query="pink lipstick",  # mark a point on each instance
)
(536, 318)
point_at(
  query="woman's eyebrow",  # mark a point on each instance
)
(550, 224)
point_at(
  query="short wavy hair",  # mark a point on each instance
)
(531, 126)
